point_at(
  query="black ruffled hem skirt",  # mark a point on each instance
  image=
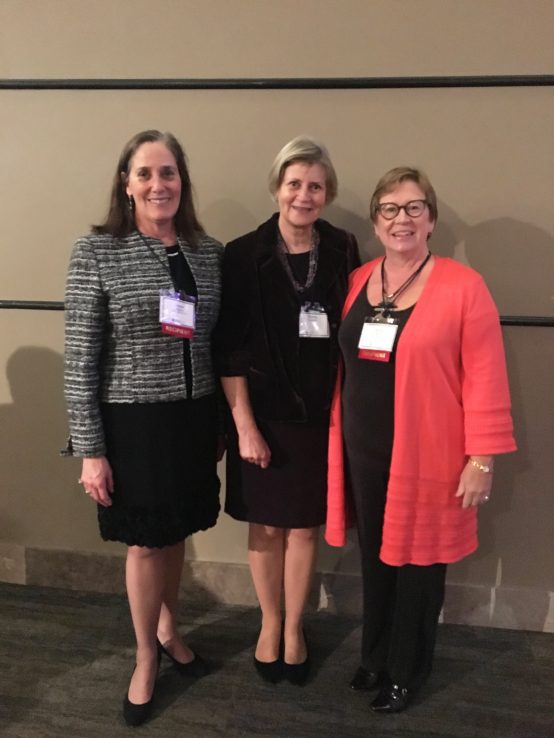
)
(163, 458)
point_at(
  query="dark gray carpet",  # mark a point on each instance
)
(66, 658)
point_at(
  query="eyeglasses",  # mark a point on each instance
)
(390, 210)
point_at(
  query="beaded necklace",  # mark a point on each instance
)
(282, 251)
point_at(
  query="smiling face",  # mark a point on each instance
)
(301, 195)
(404, 234)
(155, 185)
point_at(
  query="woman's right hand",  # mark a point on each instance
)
(252, 445)
(97, 479)
(253, 448)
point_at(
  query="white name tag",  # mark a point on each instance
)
(177, 314)
(313, 322)
(377, 341)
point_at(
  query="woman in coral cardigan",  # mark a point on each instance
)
(420, 409)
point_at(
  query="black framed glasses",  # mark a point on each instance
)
(390, 210)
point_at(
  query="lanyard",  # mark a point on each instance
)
(155, 255)
(387, 301)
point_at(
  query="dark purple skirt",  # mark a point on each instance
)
(292, 491)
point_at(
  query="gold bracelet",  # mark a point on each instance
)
(481, 467)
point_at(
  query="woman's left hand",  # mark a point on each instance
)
(475, 486)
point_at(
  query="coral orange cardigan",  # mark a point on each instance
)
(451, 401)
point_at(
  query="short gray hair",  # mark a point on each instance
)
(304, 150)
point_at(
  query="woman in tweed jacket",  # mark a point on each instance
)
(142, 403)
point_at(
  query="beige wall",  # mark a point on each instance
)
(249, 38)
(488, 152)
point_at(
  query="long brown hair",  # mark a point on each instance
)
(120, 220)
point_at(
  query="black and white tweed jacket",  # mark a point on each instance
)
(114, 348)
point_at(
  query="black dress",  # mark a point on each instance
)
(292, 491)
(163, 458)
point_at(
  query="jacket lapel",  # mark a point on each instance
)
(273, 279)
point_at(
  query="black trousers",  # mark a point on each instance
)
(401, 604)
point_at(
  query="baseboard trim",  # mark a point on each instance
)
(204, 582)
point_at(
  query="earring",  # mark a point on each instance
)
(131, 203)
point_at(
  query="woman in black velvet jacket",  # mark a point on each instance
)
(283, 289)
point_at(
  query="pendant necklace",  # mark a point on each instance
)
(387, 301)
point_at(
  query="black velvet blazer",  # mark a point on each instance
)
(257, 333)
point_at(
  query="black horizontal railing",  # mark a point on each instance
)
(521, 320)
(30, 305)
(284, 83)
(528, 320)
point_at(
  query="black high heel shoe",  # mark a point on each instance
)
(298, 673)
(137, 714)
(270, 671)
(196, 668)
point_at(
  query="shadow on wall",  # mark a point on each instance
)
(239, 220)
(41, 503)
(33, 478)
(515, 258)
(517, 261)
(362, 228)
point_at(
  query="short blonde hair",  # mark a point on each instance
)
(396, 176)
(304, 150)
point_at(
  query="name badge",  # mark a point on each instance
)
(313, 321)
(177, 314)
(377, 341)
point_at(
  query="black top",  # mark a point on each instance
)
(257, 334)
(314, 353)
(368, 386)
(183, 281)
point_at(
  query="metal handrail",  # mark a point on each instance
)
(542, 321)
(30, 305)
(284, 83)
